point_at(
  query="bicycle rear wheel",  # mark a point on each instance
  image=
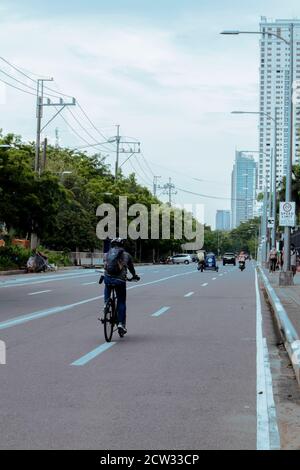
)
(109, 320)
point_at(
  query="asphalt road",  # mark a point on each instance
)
(183, 378)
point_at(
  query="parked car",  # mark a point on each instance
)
(229, 258)
(182, 259)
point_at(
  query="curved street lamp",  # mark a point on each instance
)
(288, 278)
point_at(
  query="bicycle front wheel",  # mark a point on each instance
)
(109, 320)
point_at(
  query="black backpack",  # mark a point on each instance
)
(115, 261)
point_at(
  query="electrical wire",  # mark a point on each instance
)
(16, 87)
(91, 122)
(16, 80)
(206, 196)
(141, 168)
(147, 164)
(17, 69)
(140, 176)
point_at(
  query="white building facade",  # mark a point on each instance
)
(275, 93)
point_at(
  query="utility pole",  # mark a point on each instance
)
(123, 147)
(56, 138)
(169, 189)
(155, 184)
(45, 143)
(117, 151)
(40, 104)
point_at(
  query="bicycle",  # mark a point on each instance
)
(110, 318)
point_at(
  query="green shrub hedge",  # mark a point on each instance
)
(13, 257)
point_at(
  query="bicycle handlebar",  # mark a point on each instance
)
(133, 279)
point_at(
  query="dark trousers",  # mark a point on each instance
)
(273, 264)
(120, 287)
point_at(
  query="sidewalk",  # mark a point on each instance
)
(289, 297)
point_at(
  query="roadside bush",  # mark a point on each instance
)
(13, 257)
(58, 258)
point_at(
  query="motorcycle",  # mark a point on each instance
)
(242, 265)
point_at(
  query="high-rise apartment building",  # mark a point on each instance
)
(275, 93)
(243, 189)
(223, 220)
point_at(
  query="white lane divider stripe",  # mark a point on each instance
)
(62, 308)
(267, 435)
(214, 278)
(189, 294)
(89, 283)
(92, 354)
(161, 311)
(40, 292)
(205, 284)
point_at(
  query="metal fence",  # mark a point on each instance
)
(86, 259)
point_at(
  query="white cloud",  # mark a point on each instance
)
(176, 101)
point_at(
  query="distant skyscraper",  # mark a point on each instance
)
(243, 189)
(275, 93)
(223, 220)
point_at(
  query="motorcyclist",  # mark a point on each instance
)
(242, 259)
(201, 260)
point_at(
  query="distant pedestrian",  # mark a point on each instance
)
(293, 259)
(272, 260)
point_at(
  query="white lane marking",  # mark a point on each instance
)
(220, 274)
(214, 278)
(89, 283)
(267, 436)
(45, 280)
(205, 284)
(189, 294)
(40, 292)
(92, 354)
(160, 311)
(54, 310)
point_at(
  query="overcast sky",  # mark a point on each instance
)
(159, 69)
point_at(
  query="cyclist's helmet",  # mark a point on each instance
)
(117, 242)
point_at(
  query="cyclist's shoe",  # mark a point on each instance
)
(122, 329)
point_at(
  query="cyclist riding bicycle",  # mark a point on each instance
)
(116, 263)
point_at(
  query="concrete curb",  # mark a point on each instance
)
(14, 272)
(287, 330)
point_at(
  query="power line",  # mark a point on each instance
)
(17, 69)
(206, 196)
(141, 168)
(91, 122)
(147, 164)
(16, 87)
(18, 81)
(140, 176)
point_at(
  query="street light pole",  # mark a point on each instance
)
(288, 183)
(273, 182)
(274, 195)
(287, 278)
